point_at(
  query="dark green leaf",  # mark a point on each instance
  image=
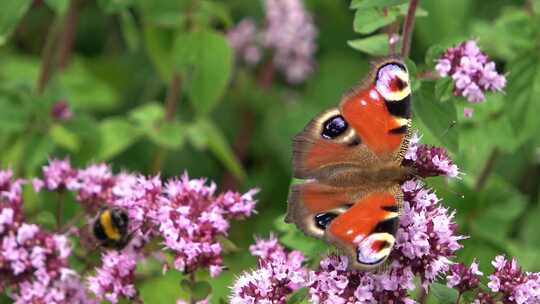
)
(116, 135)
(168, 134)
(433, 53)
(12, 116)
(364, 4)
(444, 89)
(148, 115)
(299, 296)
(64, 138)
(523, 91)
(205, 133)
(376, 45)
(438, 117)
(115, 6)
(443, 293)
(130, 32)
(159, 43)
(367, 21)
(205, 58)
(59, 6)
(164, 13)
(198, 290)
(11, 11)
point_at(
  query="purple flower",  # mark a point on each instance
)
(289, 34)
(471, 70)
(59, 175)
(191, 218)
(514, 285)
(463, 278)
(243, 39)
(468, 112)
(280, 273)
(61, 111)
(427, 160)
(115, 278)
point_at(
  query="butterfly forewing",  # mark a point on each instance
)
(349, 159)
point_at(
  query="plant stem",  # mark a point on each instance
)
(58, 45)
(171, 103)
(59, 210)
(68, 35)
(48, 58)
(173, 96)
(408, 27)
(487, 170)
(422, 298)
(192, 280)
(458, 298)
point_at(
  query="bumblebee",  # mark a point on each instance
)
(111, 228)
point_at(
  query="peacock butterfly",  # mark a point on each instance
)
(348, 161)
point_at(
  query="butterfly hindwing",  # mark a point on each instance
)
(348, 161)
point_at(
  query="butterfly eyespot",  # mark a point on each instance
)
(323, 219)
(393, 82)
(334, 126)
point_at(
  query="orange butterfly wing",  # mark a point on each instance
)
(349, 160)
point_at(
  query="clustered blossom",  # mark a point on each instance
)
(472, 71)
(33, 262)
(426, 241)
(427, 160)
(279, 274)
(187, 215)
(463, 278)
(114, 279)
(191, 218)
(289, 33)
(514, 285)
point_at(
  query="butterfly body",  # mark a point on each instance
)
(348, 164)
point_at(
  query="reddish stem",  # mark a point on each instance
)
(408, 28)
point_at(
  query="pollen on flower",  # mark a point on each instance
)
(472, 71)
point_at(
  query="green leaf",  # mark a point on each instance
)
(168, 134)
(11, 11)
(444, 89)
(364, 4)
(198, 290)
(443, 293)
(205, 133)
(376, 45)
(13, 116)
(64, 138)
(148, 115)
(159, 44)
(367, 21)
(59, 6)
(433, 53)
(522, 93)
(115, 6)
(130, 31)
(206, 59)
(299, 296)
(438, 117)
(116, 135)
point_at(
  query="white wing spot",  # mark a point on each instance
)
(374, 95)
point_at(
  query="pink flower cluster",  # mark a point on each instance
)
(427, 160)
(280, 273)
(191, 218)
(186, 215)
(33, 262)
(513, 285)
(289, 33)
(463, 278)
(472, 71)
(115, 278)
(426, 240)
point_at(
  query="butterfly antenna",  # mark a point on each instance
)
(452, 124)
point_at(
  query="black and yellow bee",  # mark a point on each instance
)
(111, 228)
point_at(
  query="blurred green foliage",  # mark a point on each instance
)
(153, 88)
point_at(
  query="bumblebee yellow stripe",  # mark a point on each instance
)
(108, 226)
